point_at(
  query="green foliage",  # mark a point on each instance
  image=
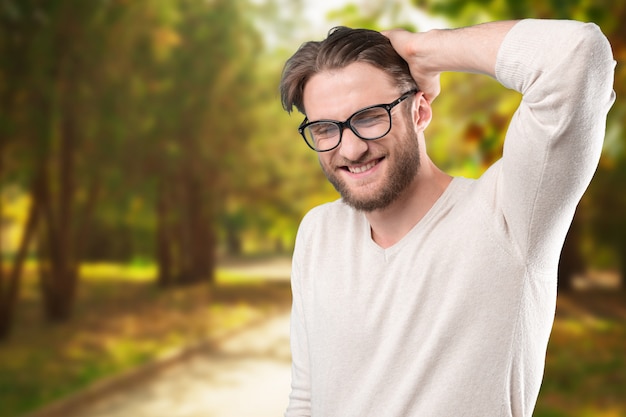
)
(166, 92)
(164, 85)
(156, 86)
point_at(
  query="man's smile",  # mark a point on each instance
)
(362, 168)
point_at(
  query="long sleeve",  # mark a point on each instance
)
(564, 69)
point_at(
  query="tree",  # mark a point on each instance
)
(203, 64)
(56, 87)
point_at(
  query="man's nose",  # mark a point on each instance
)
(352, 147)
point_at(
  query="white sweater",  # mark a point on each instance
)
(454, 319)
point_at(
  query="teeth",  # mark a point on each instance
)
(362, 168)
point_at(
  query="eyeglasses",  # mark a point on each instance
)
(370, 123)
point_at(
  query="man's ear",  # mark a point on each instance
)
(422, 112)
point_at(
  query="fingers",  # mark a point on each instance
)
(400, 40)
(410, 47)
(431, 87)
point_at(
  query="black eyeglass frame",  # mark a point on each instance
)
(347, 124)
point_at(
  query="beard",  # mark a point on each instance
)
(402, 171)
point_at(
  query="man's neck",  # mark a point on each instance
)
(390, 225)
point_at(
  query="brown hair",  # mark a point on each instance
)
(342, 47)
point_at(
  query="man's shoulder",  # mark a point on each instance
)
(327, 213)
(328, 222)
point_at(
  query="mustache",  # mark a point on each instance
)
(368, 156)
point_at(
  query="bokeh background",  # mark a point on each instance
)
(145, 161)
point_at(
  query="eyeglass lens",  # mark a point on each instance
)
(371, 123)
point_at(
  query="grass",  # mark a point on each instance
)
(121, 320)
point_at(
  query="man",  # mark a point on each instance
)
(419, 294)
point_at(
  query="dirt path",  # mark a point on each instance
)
(247, 375)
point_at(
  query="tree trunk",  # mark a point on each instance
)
(209, 253)
(57, 276)
(59, 270)
(163, 239)
(197, 233)
(571, 262)
(9, 291)
(233, 241)
(185, 239)
(621, 248)
(83, 231)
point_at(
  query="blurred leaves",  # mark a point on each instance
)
(176, 103)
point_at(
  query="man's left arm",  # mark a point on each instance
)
(468, 49)
(564, 69)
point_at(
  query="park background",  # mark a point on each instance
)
(144, 157)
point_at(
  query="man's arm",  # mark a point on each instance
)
(470, 49)
(564, 70)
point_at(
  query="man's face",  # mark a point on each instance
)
(369, 175)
